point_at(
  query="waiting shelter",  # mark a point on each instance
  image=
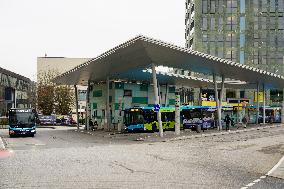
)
(136, 61)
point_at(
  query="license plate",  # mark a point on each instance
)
(23, 133)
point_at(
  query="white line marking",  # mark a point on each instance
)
(244, 187)
(2, 146)
(276, 166)
(263, 177)
(257, 180)
(250, 184)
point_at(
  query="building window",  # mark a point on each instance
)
(212, 23)
(204, 23)
(242, 94)
(272, 6)
(280, 6)
(127, 92)
(212, 6)
(204, 6)
(264, 5)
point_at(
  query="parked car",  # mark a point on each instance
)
(47, 120)
(65, 120)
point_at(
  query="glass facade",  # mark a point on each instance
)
(246, 31)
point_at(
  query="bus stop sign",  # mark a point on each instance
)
(157, 107)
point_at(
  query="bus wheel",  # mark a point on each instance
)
(32, 135)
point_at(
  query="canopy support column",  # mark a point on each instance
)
(220, 101)
(107, 105)
(76, 103)
(257, 103)
(217, 102)
(282, 109)
(88, 117)
(157, 100)
(264, 96)
(166, 96)
(177, 114)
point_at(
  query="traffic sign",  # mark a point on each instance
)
(157, 107)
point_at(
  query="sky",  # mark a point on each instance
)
(81, 28)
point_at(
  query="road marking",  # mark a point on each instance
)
(250, 184)
(2, 146)
(264, 176)
(275, 167)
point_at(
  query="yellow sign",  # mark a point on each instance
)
(260, 96)
(212, 103)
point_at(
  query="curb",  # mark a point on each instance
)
(2, 146)
(224, 133)
(201, 135)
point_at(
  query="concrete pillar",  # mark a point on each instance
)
(157, 100)
(76, 102)
(167, 95)
(120, 119)
(177, 114)
(217, 103)
(107, 104)
(257, 103)
(87, 125)
(282, 109)
(221, 100)
(263, 109)
(200, 97)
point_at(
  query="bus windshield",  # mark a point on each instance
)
(134, 117)
(26, 119)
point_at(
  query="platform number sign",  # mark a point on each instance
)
(177, 101)
(157, 107)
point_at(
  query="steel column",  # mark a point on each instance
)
(257, 103)
(263, 109)
(157, 100)
(282, 109)
(177, 114)
(76, 102)
(107, 105)
(217, 102)
(221, 99)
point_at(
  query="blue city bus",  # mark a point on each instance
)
(144, 118)
(193, 117)
(22, 122)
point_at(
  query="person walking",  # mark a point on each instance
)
(245, 121)
(228, 122)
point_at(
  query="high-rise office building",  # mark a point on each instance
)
(245, 31)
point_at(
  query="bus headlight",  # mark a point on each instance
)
(32, 131)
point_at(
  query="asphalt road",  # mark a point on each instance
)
(63, 158)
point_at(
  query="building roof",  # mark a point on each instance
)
(128, 60)
(15, 75)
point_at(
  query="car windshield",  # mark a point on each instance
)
(21, 118)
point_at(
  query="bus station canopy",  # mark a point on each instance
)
(130, 61)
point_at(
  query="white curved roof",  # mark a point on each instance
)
(130, 58)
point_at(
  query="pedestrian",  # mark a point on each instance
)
(245, 121)
(228, 122)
